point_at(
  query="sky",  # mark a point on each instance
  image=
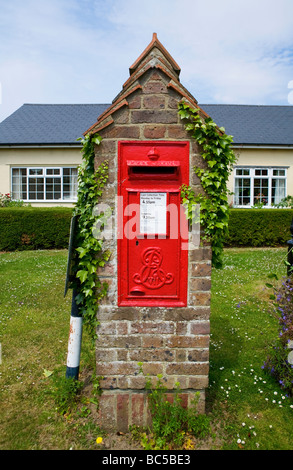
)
(80, 51)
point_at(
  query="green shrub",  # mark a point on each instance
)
(31, 228)
(259, 227)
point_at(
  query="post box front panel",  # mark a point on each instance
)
(152, 267)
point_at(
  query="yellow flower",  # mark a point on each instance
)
(99, 440)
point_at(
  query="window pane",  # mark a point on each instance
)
(278, 190)
(242, 171)
(261, 191)
(36, 188)
(53, 171)
(242, 192)
(36, 171)
(70, 183)
(19, 184)
(279, 173)
(261, 172)
(53, 188)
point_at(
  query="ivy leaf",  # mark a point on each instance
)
(82, 275)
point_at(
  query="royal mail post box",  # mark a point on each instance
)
(152, 227)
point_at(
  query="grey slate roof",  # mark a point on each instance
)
(49, 123)
(40, 124)
(254, 125)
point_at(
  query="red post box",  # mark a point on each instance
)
(152, 227)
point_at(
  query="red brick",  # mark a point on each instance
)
(121, 132)
(200, 298)
(200, 328)
(188, 342)
(137, 409)
(116, 368)
(154, 102)
(152, 342)
(176, 132)
(154, 87)
(154, 116)
(201, 269)
(123, 412)
(185, 368)
(154, 132)
(198, 355)
(152, 327)
(107, 411)
(200, 284)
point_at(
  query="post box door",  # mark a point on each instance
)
(152, 266)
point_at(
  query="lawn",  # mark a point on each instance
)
(247, 407)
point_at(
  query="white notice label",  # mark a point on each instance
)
(153, 213)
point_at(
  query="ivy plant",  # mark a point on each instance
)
(219, 158)
(89, 248)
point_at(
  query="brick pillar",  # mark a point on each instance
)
(173, 342)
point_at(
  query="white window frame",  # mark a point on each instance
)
(43, 177)
(252, 176)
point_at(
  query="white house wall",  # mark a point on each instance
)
(268, 157)
(62, 157)
(35, 157)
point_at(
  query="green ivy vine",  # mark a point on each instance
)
(89, 248)
(217, 152)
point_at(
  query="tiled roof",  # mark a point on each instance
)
(254, 125)
(40, 124)
(49, 123)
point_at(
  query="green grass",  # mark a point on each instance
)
(258, 412)
(244, 402)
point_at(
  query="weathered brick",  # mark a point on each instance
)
(186, 368)
(176, 132)
(152, 327)
(107, 410)
(136, 383)
(201, 269)
(154, 102)
(155, 87)
(112, 341)
(123, 412)
(198, 355)
(199, 382)
(200, 284)
(121, 132)
(154, 132)
(200, 254)
(200, 328)
(154, 116)
(187, 342)
(137, 409)
(151, 355)
(116, 368)
(200, 298)
(152, 341)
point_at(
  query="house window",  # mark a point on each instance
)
(253, 186)
(44, 184)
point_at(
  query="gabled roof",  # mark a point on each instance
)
(254, 125)
(155, 43)
(48, 124)
(59, 124)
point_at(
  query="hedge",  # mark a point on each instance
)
(259, 227)
(32, 228)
